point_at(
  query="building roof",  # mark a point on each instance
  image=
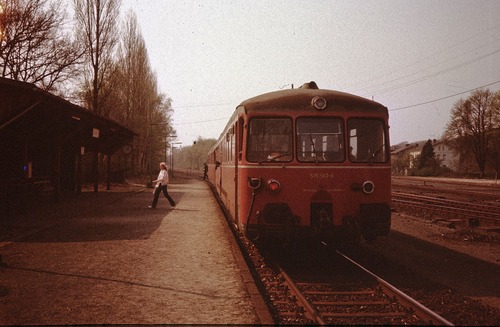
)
(27, 111)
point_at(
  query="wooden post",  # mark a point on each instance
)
(57, 170)
(79, 170)
(108, 174)
(95, 159)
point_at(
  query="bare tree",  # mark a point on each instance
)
(96, 22)
(471, 125)
(33, 47)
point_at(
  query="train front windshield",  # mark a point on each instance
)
(270, 139)
(318, 139)
(366, 140)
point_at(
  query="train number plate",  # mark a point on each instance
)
(321, 175)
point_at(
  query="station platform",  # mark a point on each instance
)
(106, 258)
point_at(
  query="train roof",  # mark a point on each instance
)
(297, 99)
(302, 97)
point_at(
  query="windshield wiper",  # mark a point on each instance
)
(314, 148)
(376, 153)
(277, 156)
(274, 157)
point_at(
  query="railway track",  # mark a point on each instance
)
(313, 289)
(476, 213)
(467, 191)
(356, 297)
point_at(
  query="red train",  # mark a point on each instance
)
(305, 163)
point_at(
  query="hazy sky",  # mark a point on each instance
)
(211, 55)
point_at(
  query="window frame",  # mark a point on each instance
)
(380, 150)
(341, 139)
(279, 158)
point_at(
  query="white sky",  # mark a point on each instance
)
(211, 55)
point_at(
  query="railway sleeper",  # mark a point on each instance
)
(363, 314)
(341, 303)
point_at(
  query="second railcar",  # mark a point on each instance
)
(305, 163)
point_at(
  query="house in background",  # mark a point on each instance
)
(404, 156)
(445, 155)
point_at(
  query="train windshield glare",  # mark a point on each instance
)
(270, 139)
(366, 140)
(320, 140)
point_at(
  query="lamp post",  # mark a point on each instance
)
(172, 147)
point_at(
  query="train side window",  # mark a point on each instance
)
(239, 129)
(320, 139)
(270, 140)
(367, 140)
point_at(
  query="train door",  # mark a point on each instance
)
(236, 159)
(239, 151)
(219, 170)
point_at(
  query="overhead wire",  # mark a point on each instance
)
(200, 106)
(443, 98)
(423, 78)
(201, 121)
(426, 77)
(425, 58)
(204, 105)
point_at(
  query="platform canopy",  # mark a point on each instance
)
(27, 112)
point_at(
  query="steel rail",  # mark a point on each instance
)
(449, 209)
(460, 190)
(421, 311)
(467, 213)
(300, 296)
(433, 200)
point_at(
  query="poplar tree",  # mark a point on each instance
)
(96, 23)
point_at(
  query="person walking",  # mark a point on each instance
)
(205, 171)
(161, 186)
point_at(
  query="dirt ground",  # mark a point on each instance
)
(471, 241)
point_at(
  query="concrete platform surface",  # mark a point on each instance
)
(105, 258)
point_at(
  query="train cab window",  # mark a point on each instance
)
(270, 140)
(366, 140)
(320, 140)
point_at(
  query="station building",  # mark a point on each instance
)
(43, 138)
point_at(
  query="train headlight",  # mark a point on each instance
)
(368, 187)
(273, 186)
(318, 103)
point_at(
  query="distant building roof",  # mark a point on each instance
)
(402, 147)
